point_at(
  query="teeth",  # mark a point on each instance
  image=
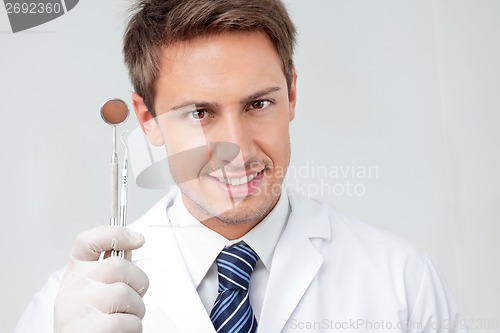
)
(239, 181)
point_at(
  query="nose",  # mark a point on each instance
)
(234, 136)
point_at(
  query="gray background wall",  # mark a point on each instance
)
(408, 88)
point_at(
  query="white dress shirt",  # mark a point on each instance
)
(200, 246)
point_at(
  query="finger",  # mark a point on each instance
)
(123, 323)
(118, 298)
(91, 243)
(128, 255)
(116, 269)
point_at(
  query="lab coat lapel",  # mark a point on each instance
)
(171, 288)
(295, 263)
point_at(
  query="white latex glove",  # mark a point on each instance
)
(101, 296)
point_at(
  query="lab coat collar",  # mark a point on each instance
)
(295, 264)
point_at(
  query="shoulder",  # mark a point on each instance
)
(362, 259)
(353, 248)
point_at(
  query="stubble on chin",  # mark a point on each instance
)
(240, 213)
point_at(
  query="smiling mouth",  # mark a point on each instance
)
(238, 181)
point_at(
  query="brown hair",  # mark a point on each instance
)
(158, 23)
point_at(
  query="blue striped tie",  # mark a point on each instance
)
(231, 312)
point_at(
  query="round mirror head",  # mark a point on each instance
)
(114, 112)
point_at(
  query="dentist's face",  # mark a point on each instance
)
(228, 92)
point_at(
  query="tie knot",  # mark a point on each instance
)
(235, 265)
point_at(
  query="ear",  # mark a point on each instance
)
(148, 123)
(293, 96)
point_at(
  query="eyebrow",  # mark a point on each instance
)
(259, 94)
(244, 101)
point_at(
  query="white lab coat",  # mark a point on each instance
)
(329, 273)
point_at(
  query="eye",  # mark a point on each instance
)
(198, 114)
(260, 104)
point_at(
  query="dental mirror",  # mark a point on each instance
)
(114, 112)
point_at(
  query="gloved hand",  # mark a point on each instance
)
(98, 296)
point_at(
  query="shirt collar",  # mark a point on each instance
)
(200, 245)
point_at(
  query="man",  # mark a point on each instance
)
(230, 251)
